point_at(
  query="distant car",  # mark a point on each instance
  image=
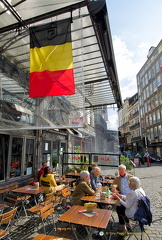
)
(155, 158)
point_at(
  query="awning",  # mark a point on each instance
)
(94, 63)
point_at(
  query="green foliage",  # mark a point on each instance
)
(125, 160)
(54, 161)
(72, 169)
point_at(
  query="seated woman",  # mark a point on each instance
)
(129, 203)
(82, 188)
(47, 180)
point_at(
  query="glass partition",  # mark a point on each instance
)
(4, 146)
(16, 157)
(29, 156)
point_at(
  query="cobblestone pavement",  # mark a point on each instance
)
(151, 180)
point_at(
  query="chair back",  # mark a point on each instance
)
(143, 213)
(30, 180)
(46, 210)
(8, 216)
(45, 184)
(11, 199)
(66, 192)
(13, 186)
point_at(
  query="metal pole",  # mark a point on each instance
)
(147, 154)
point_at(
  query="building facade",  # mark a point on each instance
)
(149, 81)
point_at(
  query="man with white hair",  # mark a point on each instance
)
(83, 188)
(94, 174)
(122, 181)
(129, 203)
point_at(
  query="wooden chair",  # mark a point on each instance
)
(30, 180)
(7, 218)
(46, 213)
(49, 198)
(45, 184)
(13, 201)
(65, 195)
(48, 237)
(43, 213)
(4, 190)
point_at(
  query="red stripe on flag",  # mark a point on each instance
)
(47, 83)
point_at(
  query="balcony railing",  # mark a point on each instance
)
(134, 126)
(134, 139)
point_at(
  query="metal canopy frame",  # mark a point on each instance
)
(94, 64)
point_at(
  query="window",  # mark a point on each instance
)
(147, 92)
(149, 75)
(161, 62)
(55, 154)
(150, 119)
(152, 104)
(157, 66)
(4, 143)
(29, 156)
(148, 105)
(155, 133)
(158, 81)
(47, 152)
(156, 100)
(154, 117)
(152, 134)
(160, 97)
(16, 157)
(159, 132)
(154, 84)
(151, 89)
(158, 115)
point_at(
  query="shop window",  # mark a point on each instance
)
(29, 156)
(4, 146)
(55, 154)
(16, 157)
(47, 152)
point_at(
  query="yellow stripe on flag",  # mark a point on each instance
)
(52, 58)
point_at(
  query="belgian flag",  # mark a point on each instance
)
(51, 61)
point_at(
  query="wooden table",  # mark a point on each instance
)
(47, 237)
(31, 190)
(97, 199)
(72, 174)
(66, 181)
(99, 221)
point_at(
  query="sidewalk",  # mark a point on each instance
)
(151, 180)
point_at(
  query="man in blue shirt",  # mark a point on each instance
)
(122, 181)
(95, 173)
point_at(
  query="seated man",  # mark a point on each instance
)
(82, 188)
(41, 171)
(129, 203)
(122, 181)
(95, 173)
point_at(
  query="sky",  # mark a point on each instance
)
(135, 27)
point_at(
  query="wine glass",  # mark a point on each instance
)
(115, 186)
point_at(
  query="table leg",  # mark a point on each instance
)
(76, 234)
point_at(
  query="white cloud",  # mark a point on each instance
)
(128, 64)
(112, 123)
